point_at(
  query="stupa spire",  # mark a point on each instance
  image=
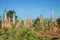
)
(41, 22)
(5, 22)
(13, 18)
(29, 21)
(53, 17)
(18, 24)
(40, 18)
(25, 22)
(54, 27)
(5, 16)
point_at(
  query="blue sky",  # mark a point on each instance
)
(33, 8)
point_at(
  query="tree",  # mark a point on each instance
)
(10, 14)
(0, 21)
(58, 22)
(47, 20)
(36, 24)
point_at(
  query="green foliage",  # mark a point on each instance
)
(43, 38)
(20, 33)
(36, 21)
(0, 21)
(58, 22)
(36, 24)
(10, 14)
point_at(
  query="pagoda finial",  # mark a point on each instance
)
(29, 21)
(41, 22)
(29, 18)
(18, 24)
(5, 15)
(53, 17)
(41, 16)
(13, 18)
(25, 22)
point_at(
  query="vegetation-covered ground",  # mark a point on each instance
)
(23, 33)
